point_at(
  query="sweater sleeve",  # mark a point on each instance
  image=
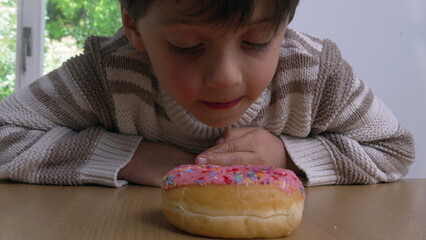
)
(355, 138)
(50, 133)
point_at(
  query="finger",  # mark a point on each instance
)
(226, 159)
(243, 144)
(234, 133)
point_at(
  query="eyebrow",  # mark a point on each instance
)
(191, 21)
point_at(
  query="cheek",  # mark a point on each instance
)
(261, 75)
(178, 79)
(181, 83)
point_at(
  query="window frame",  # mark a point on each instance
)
(30, 14)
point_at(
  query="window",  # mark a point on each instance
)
(36, 36)
(7, 46)
(70, 22)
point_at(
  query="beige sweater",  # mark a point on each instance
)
(82, 122)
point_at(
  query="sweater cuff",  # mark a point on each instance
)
(313, 157)
(111, 153)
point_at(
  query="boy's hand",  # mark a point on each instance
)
(152, 161)
(246, 146)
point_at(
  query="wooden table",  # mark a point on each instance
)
(383, 211)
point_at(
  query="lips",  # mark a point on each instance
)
(222, 105)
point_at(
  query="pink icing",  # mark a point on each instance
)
(187, 175)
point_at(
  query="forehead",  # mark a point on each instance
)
(210, 12)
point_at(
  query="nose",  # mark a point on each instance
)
(223, 71)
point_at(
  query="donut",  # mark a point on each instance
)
(240, 201)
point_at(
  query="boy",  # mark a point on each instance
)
(201, 82)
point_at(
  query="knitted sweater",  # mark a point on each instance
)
(81, 123)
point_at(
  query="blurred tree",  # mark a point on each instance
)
(70, 22)
(81, 18)
(7, 46)
(65, 20)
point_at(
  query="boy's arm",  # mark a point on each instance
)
(355, 138)
(151, 161)
(49, 134)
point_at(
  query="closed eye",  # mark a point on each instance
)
(261, 47)
(185, 50)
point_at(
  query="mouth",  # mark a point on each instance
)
(222, 105)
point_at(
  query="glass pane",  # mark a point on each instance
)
(70, 22)
(8, 13)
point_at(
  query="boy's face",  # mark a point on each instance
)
(214, 72)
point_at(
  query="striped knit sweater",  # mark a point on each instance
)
(81, 123)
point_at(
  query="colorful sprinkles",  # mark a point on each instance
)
(187, 175)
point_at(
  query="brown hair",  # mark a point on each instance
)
(221, 11)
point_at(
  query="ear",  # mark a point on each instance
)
(131, 29)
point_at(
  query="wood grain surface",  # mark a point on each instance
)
(382, 211)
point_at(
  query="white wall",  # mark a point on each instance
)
(385, 42)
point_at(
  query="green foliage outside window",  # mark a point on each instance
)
(7, 46)
(68, 24)
(82, 18)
